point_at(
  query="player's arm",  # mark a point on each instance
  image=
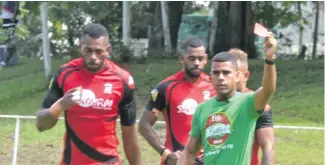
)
(149, 116)
(127, 109)
(194, 142)
(50, 109)
(265, 137)
(54, 103)
(264, 94)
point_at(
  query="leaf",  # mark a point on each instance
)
(58, 25)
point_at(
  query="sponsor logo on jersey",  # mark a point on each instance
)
(154, 94)
(218, 129)
(188, 107)
(131, 81)
(51, 83)
(88, 99)
(206, 95)
(108, 88)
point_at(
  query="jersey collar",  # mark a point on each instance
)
(230, 99)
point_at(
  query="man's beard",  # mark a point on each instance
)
(191, 74)
(91, 68)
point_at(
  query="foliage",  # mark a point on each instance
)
(271, 13)
(121, 53)
(143, 10)
(191, 7)
(65, 20)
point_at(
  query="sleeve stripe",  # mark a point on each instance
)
(61, 72)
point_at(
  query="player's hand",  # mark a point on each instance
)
(270, 45)
(173, 157)
(71, 97)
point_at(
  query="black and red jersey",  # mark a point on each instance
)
(91, 124)
(177, 99)
(265, 120)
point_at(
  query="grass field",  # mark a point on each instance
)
(299, 100)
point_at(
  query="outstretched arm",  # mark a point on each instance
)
(264, 94)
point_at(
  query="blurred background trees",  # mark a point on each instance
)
(221, 24)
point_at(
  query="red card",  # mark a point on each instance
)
(260, 30)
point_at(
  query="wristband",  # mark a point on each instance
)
(165, 154)
(269, 62)
(165, 161)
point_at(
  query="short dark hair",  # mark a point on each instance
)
(225, 57)
(94, 30)
(191, 41)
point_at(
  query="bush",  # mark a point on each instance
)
(121, 53)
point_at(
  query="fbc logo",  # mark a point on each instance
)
(218, 128)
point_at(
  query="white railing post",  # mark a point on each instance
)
(15, 150)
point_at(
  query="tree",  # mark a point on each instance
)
(67, 18)
(301, 27)
(235, 27)
(156, 40)
(271, 13)
(316, 29)
(213, 27)
(175, 12)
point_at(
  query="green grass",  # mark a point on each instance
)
(299, 100)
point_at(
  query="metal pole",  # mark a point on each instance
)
(126, 22)
(164, 9)
(45, 40)
(14, 160)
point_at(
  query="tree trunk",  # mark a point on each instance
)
(213, 28)
(165, 21)
(221, 41)
(301, 28)
(303, 48)
(156, 39)
(248, 30)
(235, 27)
(70, 37)
(175, 12)
(316, 30)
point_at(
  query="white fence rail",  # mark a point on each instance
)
(16, 140)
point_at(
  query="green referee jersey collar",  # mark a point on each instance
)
(230, 99)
